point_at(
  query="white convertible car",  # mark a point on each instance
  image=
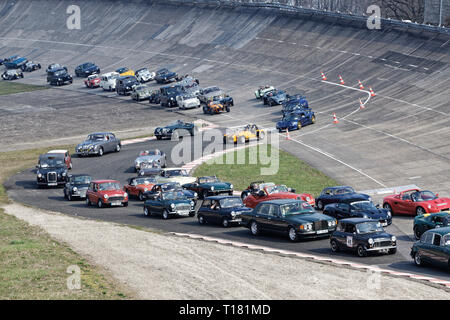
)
(175, 175)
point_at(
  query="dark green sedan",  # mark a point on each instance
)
(168, 204)
(433, 248)
(294, 218)
(429, 221)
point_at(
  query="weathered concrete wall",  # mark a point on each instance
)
(432, 10)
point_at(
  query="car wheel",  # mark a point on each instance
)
(88, 202)
(334, 246)
(165, 214)
(292, 234)
(146, 212)
(100, 152)
(417, 233)
(158, 137)
(225, 222)
(118, 147)
(65, 194)
(388, 207)
(125, 204)
(141, 196)
(254, 228)
(205, 110)
(320, 205)
(418, 259)
(201, 219)
(361, 251)
(227, 109)
(100, 204)
(392, 251)
(211, 111)
(419, 211)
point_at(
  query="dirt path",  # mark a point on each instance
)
(160, 266)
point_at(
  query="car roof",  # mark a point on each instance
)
(99, 133)
(357, 220)
(442, 231)
(104, 181)
(57, 151)
(47, 155)
(337, 187)
(222, 197)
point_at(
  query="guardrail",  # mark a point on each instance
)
(285, 8)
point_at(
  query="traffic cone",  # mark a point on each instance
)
(341, 80)
(335, 120)
(372, 94)
(360, 85)
(361, 105)
(324, 78)
(287, 134)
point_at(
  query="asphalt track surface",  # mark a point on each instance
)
(400, 138)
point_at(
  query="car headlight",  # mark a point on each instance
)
(75, 189)
(231, 186)
(306, 227)
(39, 175)
(212, 188)
(125, 195)
(370, 241)
(233, 214)
(389, 214)
(106, 196)
(192, 203)
(370, 199)
(195, 194)
(393, 239)
(172, 206)
(308, 199)
(332, 223)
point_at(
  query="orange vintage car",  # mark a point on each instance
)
(138, 185)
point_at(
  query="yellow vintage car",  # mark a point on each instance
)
(245, 134)
(125, 72)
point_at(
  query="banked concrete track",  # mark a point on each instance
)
(400, 138)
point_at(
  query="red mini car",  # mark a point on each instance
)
(271, 191)
(93, 81)
(106, 193)
(138, 185)
(415, 202)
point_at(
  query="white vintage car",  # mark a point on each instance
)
(175, 175)
(188, 101)
(144, 75)
(108, 81)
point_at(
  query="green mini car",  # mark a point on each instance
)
(209, 186)
(261, 90)
(171, 203)
(429, 221)
(433, 248)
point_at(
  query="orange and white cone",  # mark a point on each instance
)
(341, 80)
(324, 78)
(361, 105)
(335, 120)
(372, 94)
(360, 85)
(287, 134)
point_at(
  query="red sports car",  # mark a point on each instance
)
(415, 202)
(93, 81)
(137, 186)
(106, 193)
(271, 191)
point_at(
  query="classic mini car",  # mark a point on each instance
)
(339, 194)
(429, 221)
(92, 81)
(16, 63)
(137, 186)
(294, 218)
(108, 81)
(66, 155)
(187, 101)
(167, 204)
(98, 144)
(261, 90)
(223, 210)
(358, 209)
(245, 134)
(154, 97)
(206, 186)
(140, 92)
(124, 85)
(30, 66)
(433, 248)
(165, 76)
(144, 75)
(51, 170)
(168, 95)
(124, 71)
(59, 77)
(151, 157)
(175, 130)
(12, 75)
(175, 175)
(416, 202)
(86, 69)
(296, 120)
(276, 97)
(270, 191)
(104, 193)
(54, 66)
(77, 186)
(362, 236)
(215, 107)
(169, 186)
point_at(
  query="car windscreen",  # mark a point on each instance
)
(170, 186)
(296, 208)
(177, 195)
(60, 73)
(277, 189)
(82, 180)
(52, 163)
(95, 137)
(362, 205)
(171, 90)
(419, 196)
(368, 227)
(109, 186)
(176, 173)
(208, 180)
(86, 65)
(231, 202)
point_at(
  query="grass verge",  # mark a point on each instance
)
(291, 171)
(17, 87)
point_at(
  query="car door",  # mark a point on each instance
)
(263, 218)
(326, 197)
(277, 222)
(425, 249)
(403, 203)
(340, 235)
(436, 252)
(441, 253)
(342, 210)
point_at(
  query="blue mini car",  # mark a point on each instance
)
(296, 120)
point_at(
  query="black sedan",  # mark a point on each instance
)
(223, 210)
(294, 218)
(359, 209)
(339, 194)
(86, 69)
(362, 236)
